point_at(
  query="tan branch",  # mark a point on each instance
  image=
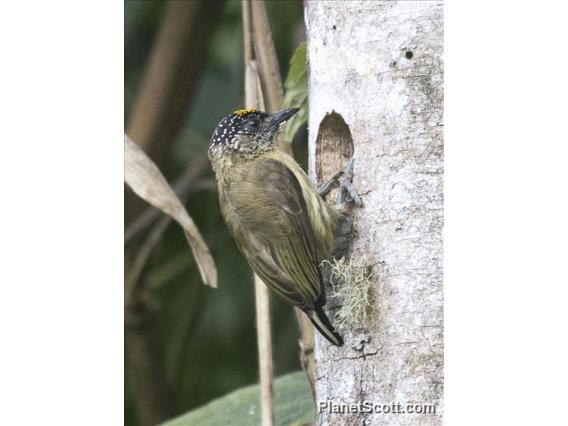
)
(254, 99)
(262, 69)
(268, 69)
(265, 54)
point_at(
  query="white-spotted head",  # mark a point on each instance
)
(248, 131)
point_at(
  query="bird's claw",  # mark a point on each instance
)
(347, 192)
(331, 183)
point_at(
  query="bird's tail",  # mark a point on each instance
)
(322, 323)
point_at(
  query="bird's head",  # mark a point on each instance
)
(248, 131)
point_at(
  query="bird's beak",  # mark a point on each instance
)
(281, 117)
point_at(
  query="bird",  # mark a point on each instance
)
(279, 221)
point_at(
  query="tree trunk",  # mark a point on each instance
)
(376, 92)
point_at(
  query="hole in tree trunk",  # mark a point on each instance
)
(334, 148)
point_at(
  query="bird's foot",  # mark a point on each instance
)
(347, 192)
(328, 185)
(346, 200)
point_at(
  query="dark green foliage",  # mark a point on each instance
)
(294, 405)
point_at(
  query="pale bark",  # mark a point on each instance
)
(378, 65)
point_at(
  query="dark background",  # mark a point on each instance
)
(207, 337)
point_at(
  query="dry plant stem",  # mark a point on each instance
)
(254, 99)
(263, 329)
(307, 348)
(248, 47)
(265, 55)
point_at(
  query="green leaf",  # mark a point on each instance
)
(294, 405)
(296, 91)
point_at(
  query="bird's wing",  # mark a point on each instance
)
(269, 213)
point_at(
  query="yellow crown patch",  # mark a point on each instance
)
(244, 111)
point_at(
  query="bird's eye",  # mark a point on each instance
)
(253, 124)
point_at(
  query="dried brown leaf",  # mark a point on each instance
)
(146, 180)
